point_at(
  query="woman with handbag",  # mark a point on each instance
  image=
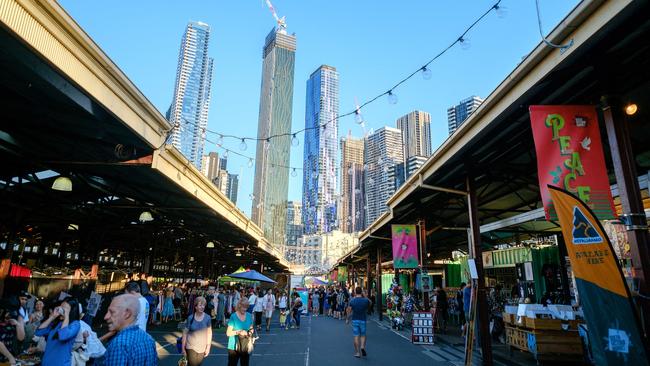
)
(197, 335)
(240, 335)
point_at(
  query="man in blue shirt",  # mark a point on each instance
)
(358, 307)
(131, 345)
(467, 300)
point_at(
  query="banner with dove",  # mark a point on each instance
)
(405, 246)
(570, 156)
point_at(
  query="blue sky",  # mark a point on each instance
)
(373, 45)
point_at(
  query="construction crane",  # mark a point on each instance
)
(282, 25)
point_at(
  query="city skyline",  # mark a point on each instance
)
(360, 56)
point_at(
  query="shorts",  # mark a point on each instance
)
(268, 313)
(358, 328)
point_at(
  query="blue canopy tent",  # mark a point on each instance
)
(251, 275)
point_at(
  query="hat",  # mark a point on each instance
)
(24, 293)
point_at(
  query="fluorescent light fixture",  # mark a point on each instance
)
(63, 184)
(73, 227)
(209, 245)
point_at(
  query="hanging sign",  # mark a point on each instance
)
(334, 275)
(570, 156)
(343, 274)
(605, 298)
(405, 246)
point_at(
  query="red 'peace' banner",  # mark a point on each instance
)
(570, 156)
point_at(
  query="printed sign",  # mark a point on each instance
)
(422, 328)
(343, 274)
(570, 156)
(604, 296)
(405, 246)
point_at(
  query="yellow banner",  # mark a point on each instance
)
(592, 258)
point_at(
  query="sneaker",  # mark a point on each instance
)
(363, 352)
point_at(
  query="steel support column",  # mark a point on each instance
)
(629, 193)
(378, 297)
(476, 252)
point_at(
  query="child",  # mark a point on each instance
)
(283, 318)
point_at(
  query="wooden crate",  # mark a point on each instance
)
(509, 318)
(517, 338)
(543, 324)
(555, 343)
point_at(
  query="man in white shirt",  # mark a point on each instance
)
(133, 288)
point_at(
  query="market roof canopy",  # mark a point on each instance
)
(69, 111)
(251, 275)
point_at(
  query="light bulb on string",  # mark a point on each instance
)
(392, 98)
(358, 118)
(250, 162)
(220, 140)
(225, 154)
(243, 145)
(294, 141)
(465, 43)
(501, 10)
(293, 172)
(426, 73)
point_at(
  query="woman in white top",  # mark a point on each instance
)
(268, 301)
(258, 308)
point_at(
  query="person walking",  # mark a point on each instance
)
(221, 307)
(296, 308)
(315, 301)
(60, 331)
(268, 302)
(357, 308)
(168, 307)
(258, 309)
(240, 326)
(197, 334)
(130, 344)
(133, 288)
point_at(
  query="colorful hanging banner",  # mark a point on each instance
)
(342, 274)
(604, 296)
(334, 275)
(405, 246)
(570, 156)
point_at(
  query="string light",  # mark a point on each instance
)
(426, 73)
(250, 162)
(392, 98)
(293, 172)
(465, 43)
(294, 141)
(243, 145)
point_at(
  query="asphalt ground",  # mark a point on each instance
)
(325, 341)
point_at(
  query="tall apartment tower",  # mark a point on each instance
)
(188, 112)
(210, 165)
(271, 183)
(457, 114)
(416, 134)
(233, 187)
(352, 213)
(382, 151)
(320, 166)
(294, 222)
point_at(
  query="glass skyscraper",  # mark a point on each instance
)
(188, 112)
(320, 167)
(271, 184)
(457, 114)
(352, 212)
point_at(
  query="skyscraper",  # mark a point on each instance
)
(233, 187)
(188, 112)
(320, 166)
(352, 213)
(382, 151)
(294, 230)
(271, 183)
(210, 165)
(456, 115)
(416, 134)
